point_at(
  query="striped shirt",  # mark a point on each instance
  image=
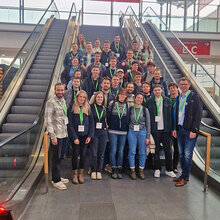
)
(54, 118)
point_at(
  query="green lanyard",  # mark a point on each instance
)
(121, 82)
(135, 116)
(136, 55)
(145, 55)
(97, 83)
(129, 64)
(181, 104)
(72, 56)
(99, 116)
(75, 68)
(82, 49)
(110, 91)
(80, 116)
(74, 94)
(131, 76)
(158, 103)
(110, 70)
(63, 107)
(106, 99)
(145, 100)
(117, 48)
(120, 115)
(87, 59)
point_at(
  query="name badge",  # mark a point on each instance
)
(66, 121)
(136, 128)
(128, 71)
(106, 64)
(81, 128)
(117, 55)
(157, 118)
(98, 125)
(180, 114)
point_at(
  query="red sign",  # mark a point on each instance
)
(203, 3)
(196, 47)
(131, 1)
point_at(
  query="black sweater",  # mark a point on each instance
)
(95, 117)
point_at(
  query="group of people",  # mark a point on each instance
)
(110, 99)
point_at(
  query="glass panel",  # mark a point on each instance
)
(9, 15)
(11, 70)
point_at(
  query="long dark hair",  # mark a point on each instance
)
(121, 90)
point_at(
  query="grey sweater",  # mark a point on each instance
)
(143, 122)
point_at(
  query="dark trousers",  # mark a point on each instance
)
(97, 150)
(175, 153)
(79, 153)
(56, 158)
(165, 138)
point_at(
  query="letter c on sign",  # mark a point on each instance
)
(194, 49)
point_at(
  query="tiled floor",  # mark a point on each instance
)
(153, 199)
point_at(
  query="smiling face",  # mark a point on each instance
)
(122, 96)
(76, 83)
(139, 99)
(81, 98)
(97, 58)
(157, 92)
(59, 91)
(129, 54)
(75, 61)
(117, 39)
(135, 46)
(105, 85)
(106, 47)
(146, 88)
(130, 88)
(115, 81)
(99, 99)
(95, 72)
(184, 86)
(137, 79)
(173, 90)
(97, 43)
(157, 74)
(74, 48)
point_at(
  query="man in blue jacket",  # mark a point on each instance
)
(187, 118)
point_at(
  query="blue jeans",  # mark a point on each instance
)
(134, 138)
(186, 147)
(117, 144)
(97, 150)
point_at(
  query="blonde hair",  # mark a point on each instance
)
(85, 108)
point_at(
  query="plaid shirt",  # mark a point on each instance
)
(54, 118)
(84, 59)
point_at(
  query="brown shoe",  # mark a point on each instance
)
(182, 182)
(81, 178)
(141, 174)
(177, 179)
(75, 177)
(133, 174)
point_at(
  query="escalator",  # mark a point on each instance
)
(23, 103)
(173, 68)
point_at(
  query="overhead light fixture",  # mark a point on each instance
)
(3, 55)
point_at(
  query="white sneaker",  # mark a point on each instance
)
(99, 176)
(93, 175)
(170, 174)
(60, 186)
(157, 173)
(63, 180)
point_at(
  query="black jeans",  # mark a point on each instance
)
(56, 158)
(175, 153)
(79, 153)
(165, 138)
(97, 150)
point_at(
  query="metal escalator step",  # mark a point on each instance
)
(4, 136)
(35, 95)
(15, 150)
(177, 76)
(25, 109)
(210, 131)
(174, 71)
(21, 118)
(40, 57)
(215, 151)
(41, 71)
(14, 127)
(49, 43)
(49, 54)
(49, 46)
(39, 76)
(28, 102)
(34, 88)
(215, 141)
(44, 62)
(208, 121)
(11, 163)
(36, 82)
(42, 66)
(45, 49)
(215, 164)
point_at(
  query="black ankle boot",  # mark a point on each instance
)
(114, 173)
(120, 173)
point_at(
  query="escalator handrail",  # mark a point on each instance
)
(25, 43)
(194, 58)
(43, 104)
(147, 37)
